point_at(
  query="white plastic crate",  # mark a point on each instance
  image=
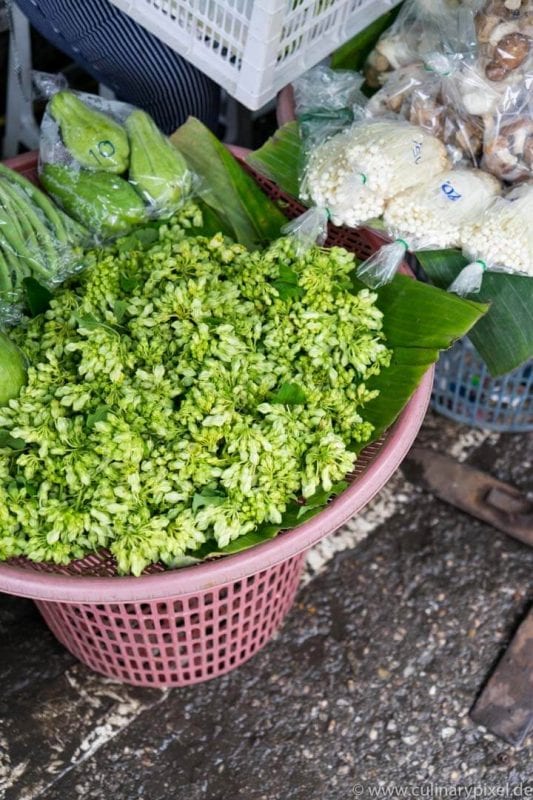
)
(253, 48)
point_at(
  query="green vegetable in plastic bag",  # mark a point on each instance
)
(93, 139)
(157, 169)
(104, 203)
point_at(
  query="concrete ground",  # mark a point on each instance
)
(401, 617)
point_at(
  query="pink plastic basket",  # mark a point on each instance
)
(285, 111)
(179, 627)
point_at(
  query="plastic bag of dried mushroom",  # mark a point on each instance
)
(504, 31)
(426, 94)
(497, 88)
(508, 138)
(479, 99)
(503, 56)
(505, 37)
(421, 27)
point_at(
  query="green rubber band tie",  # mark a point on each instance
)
(328, 212)
(363, 178)
(402, 241)
(436, 72)
(483, 264)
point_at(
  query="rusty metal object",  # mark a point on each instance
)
(505, 706)
(473, 491)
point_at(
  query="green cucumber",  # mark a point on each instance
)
(103, 202)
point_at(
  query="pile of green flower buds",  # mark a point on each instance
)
(184, 394)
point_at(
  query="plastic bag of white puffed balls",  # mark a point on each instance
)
(326, 102)
(429, 216)
(440, 207)
(355, 173)
(501, 240)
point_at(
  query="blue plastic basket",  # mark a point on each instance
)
(465, 391)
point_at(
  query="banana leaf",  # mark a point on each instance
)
(226, 188)
(353, 54)
(419, 321)
(279, 159)
(503, 338)
(37, 297)
(296, 514)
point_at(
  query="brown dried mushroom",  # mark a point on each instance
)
(504, 32)
(509, 54)
(513, 50)
(496, 72)
(509, 148)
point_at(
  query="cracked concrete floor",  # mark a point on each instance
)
(401, 618)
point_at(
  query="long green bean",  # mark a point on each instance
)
(6, 286)
(16, 267)
(77, 232)
(39, 238)
(16, 211)
(40, 199)
(9, 215)
(15, 248)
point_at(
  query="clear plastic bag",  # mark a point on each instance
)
(381, 268)
(37, 240)
(422, 26)
(308, 229)
(46, 84)
(108, 165)
(481, 106)
(498, 87)
(501, 240)
(325, 88)
(326, 101)
(399, 87)
(354, 173)
(438, 209)
(504, 31)
(473, 93)
(425, 93)
(429, 216)
(504, 35)
(508, 138)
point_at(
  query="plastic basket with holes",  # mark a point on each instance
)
(465, 391)
(178, 627)
(252, 48)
